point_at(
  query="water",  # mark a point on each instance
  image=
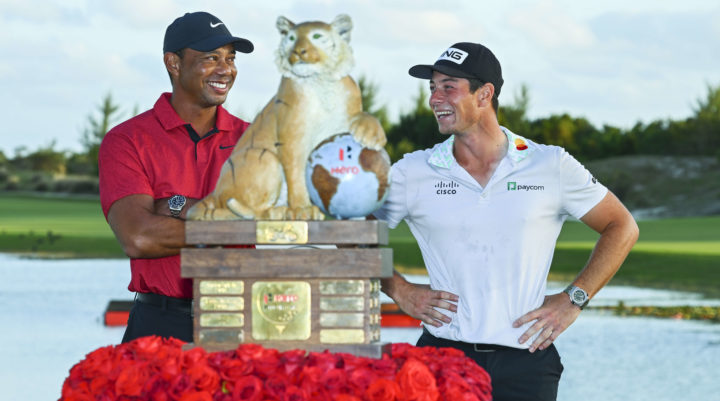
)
(52, 317)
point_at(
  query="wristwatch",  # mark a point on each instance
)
(176, 204)
(578, 296)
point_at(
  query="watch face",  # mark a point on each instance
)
(579, 296)
(176, 202)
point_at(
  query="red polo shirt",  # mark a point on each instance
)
(154, 153)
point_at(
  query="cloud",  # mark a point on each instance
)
(551, 27)
(48, 12)
(141, 13)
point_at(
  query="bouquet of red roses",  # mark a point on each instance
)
(157, 369)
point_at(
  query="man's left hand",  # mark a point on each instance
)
(555, 315)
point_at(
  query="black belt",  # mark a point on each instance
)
(183, 305)
(477, 347)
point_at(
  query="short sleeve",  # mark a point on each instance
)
(581, 191)
(394, 209)
(121, 172)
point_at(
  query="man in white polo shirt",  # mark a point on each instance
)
(486, 207)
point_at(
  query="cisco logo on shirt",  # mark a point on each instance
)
(446, 188)
(514, 186)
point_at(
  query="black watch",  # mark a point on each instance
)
(578, 296)
(176, 204)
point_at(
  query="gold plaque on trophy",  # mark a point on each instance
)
(281, 232)
(222, 287)
(330, 319)
(281, 310)
(344, 287)
(222, 303)
(350, 304)
(342, 336)
(222, 320)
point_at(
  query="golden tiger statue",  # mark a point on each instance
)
(264, 177)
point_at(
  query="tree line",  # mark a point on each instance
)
(696, 135)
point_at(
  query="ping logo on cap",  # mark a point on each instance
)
(457, 56)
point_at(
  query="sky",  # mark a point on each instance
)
(612, 62)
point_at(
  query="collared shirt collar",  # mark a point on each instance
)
(170, 119)
(518, 149)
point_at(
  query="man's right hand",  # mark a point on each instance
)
(419, 300)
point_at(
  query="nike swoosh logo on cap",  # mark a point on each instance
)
(226, 147)
(215, 25)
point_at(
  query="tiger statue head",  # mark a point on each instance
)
(315, 50)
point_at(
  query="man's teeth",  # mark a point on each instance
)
(218, 85)
(443, 113)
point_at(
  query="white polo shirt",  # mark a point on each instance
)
(491, 246)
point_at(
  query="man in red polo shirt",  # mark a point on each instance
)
(156, 165)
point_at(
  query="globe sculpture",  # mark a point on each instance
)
(346, 180)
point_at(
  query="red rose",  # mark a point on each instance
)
(131, 380)
(311, 374)
(345, 397)
(193, 356)
(334, 379)
(295, 393)
(267, 363)
(417, 382)
(179, 386)
(196, 396)
(146, 346)
(292, 360)
(276, 385)
(361, 378)
(76, 395)
(384, 367)
(247, 388)
(203, 377)
(234, 369)
(96, 363)
(325, 360)
(382, 390)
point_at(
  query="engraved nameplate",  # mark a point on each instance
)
(222, 303)
(329, 319)
(342, 304)
(222, 287)
(221, 336)
(342, 336)
(222, 320)
(281, 232)
(342, 287)
(281, 310)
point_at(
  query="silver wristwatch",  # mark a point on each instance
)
(176, 204)
(578, 296)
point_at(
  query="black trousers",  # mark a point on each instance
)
(516, 374)
(146, 319)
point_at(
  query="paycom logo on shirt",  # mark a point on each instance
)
(514, 186)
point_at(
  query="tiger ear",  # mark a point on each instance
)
(343, 25)
(284, 25)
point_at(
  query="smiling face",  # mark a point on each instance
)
(204, 78)
(455, 107)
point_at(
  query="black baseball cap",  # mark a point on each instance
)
(464, 60)
(203, 32)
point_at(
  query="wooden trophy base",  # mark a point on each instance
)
(292, 296)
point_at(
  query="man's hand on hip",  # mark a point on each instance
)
(555, 315)
(420, 301)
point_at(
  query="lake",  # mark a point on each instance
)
(52, 317)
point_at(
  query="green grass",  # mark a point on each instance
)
(55, 227)
(677, 253)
